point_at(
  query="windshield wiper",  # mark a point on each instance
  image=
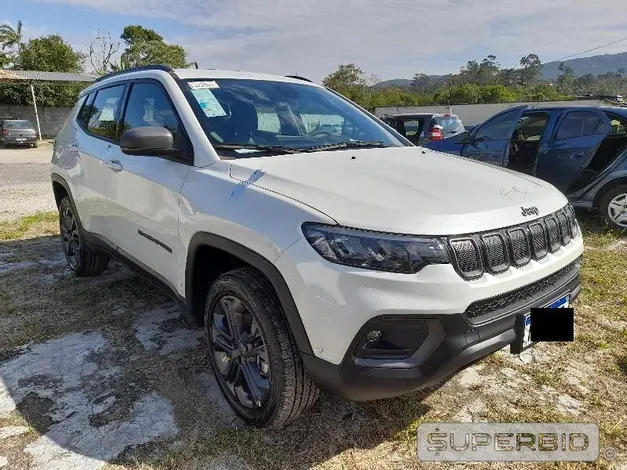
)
(351, 144)
(260, 148)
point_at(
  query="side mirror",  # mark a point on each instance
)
(148, 141)
(464, 137)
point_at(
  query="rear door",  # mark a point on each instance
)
(97, 132)
(489, 142)
(577, 137)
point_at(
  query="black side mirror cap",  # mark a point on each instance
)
(464, 137)
(153, 141)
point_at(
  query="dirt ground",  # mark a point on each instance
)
(106, 373)
(25, 181)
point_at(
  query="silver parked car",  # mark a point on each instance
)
(17, 132)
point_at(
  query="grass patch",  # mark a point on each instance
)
(604, 277)
(598, 234)
(40, 223)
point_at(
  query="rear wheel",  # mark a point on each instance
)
(34, 144)
(254, 358)
(613, 207)
(81, 259)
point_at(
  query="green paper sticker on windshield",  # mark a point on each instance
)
(208, 102)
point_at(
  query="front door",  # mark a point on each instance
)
(489, 142)
(144, 190)
(578, 136)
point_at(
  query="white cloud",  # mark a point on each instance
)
(389, 38)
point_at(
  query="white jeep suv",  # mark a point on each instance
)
(319, 248)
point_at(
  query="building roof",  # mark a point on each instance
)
(37, 76)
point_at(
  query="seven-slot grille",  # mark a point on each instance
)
(497, 250)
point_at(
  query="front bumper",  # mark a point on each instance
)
(452, 342)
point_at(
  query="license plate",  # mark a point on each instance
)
(523, 325)
(21, 139)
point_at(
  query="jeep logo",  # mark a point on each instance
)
(533, 210)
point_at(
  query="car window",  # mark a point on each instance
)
(281, 114)
(104, 112)
(499, 128)
(618, 125)
(531, 127)
(407, 128)
(18, 125)
(84, 113)
(411, 128)
(580, 124)
(449, 124)
(149, 105)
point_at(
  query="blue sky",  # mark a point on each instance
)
(387, 38)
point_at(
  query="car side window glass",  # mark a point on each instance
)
(618, 125)
(104, 112)
(580, 124)
(148, 105)
(85, 112)
(499, 128)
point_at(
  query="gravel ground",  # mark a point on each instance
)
(25, 181)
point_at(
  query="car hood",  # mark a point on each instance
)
(402, 190)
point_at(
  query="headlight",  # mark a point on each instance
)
(375, 250)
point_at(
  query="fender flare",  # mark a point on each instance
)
(258, 262)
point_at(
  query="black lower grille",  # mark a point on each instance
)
(493, 307)
(497, 250)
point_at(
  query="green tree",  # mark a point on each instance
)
(565, 79)
(11, 38)
(49, 54)
(420, 82)
(531, 70)
(147, 47)
(347, 79)
(134, 34)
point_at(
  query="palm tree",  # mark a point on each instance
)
(11, 37)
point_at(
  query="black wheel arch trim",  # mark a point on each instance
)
(247, 255)
(260, 263)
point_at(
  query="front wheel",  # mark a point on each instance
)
(254, 358)
(613, 207)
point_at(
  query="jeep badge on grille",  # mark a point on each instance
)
(533, 210)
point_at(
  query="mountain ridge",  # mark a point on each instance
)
(595, 65)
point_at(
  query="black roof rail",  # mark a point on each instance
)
(164, 68)
(297, 77)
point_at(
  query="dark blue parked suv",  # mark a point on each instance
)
(580, 150)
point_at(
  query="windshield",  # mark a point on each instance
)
(270, 114)
(18, 125)
(450, 124)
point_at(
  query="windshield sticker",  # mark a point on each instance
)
(211, 85)
(208, 102)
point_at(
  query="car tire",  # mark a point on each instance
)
(80, 258)
(34, 145)
(613, 207)
(267, 387)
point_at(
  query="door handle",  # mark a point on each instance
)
(114, 165)
(577, 155)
